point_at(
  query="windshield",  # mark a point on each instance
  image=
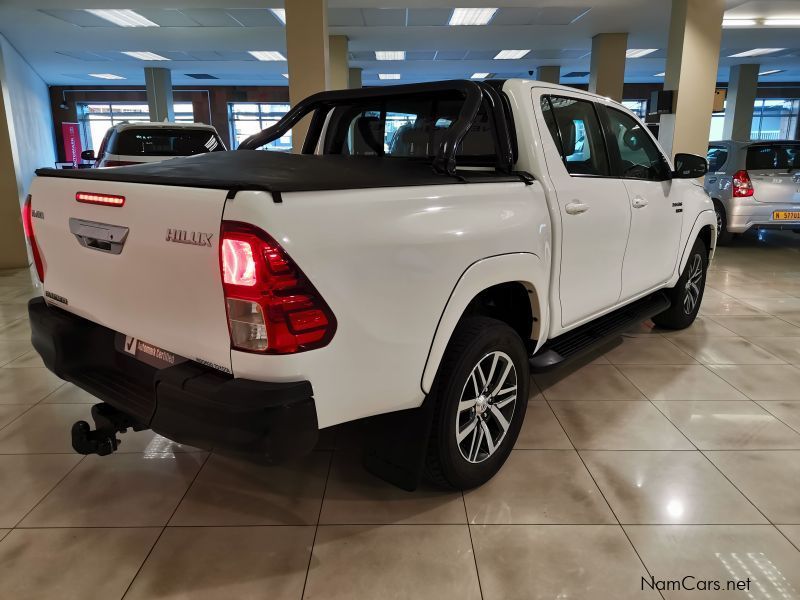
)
(165, 142)
(784, 156)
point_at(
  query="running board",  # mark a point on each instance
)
(582, 340)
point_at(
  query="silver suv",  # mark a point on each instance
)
(754, 184)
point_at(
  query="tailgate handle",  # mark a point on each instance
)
(99, 236)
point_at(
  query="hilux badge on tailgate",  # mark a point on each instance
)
(195, 238)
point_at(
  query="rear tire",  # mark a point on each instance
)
(687, 295)
(724, 237)
(481, 395)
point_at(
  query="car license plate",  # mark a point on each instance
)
(786, 215)
(146, 353)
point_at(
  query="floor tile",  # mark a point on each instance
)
(56, 564)
(362, 562)
(539, 487)
(726, 306)
(4, 533)
(9, 412)
(726, 351)
(792, 532)
(618, 425)
(592, 382)
(702, 327)
(30, 359)
(785, 348)
(70, 394)
(541, 430)
(354, 496)
(17, 330)
(542, 562)
(770, 479)
(749, 290)
(12, 312)
(787, 411)
(12, 349)
(241, 563)
(44, 428)
(667, 487)
(648, 351)
(25, 479)
(680, 382)
(26, 386)
(762, 382)
(233, 492)
(723, 553)
(121, 490)
(762, 326)
(731, 425)
(775, 306)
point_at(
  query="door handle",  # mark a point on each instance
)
(639, 203)
(576, 208)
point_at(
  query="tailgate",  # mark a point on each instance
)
(148, 269)
(775, 187)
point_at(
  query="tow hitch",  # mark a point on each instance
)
(103, 440)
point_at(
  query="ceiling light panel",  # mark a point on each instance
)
(280, 14)
(146, 55)
(730, 23)
(266, 55)
(755, 52)
(122, 17)
(390, 55)
(638, 52)
(771, 72)
(793, 22)
(660, 75)
(389, 75)
(105, 76)
(479, 75)
(511, 54)
(471, 16)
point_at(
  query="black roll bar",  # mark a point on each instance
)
(474, 95)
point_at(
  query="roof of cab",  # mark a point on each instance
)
(162, 125)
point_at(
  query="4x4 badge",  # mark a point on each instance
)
(194, 238)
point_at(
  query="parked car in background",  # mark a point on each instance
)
(135, 143)
(754, 184)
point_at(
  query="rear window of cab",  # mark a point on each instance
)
(165, 142)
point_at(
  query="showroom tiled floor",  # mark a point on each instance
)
(671, 454)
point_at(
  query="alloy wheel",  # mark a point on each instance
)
(693, 284)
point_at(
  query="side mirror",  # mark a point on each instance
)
(689, 166)
(88, 155)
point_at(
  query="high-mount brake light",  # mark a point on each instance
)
(742, 185)
(272, 306)
(103, 199)
(27, 226)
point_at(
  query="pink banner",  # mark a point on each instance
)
(72, 143)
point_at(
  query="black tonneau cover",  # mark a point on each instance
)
(280, 172)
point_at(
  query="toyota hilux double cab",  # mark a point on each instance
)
(430, 247)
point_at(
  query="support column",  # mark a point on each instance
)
(159, 94)
(549, 73)
(307, 53)
(607, 69)
(742, 90)
(13, 252)
(339, 67)
(695, 32)
(355, 78)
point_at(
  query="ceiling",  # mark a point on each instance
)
(64, 43)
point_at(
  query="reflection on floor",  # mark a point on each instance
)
(671, 454)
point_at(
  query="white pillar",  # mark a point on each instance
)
(339, 67)
(159, 94)
(607, 68)
(742, 90)
(355, 78)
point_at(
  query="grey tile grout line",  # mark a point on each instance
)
(776, 417)
(50, 491)
(37, 403)
(616, 518)
(319, 518)
(164, 527)
(472, 545)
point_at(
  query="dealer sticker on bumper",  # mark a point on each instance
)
(147, 353)
(786, 215)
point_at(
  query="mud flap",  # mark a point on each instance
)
(397, 443)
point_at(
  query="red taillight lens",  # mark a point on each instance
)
(27, 226)
(272, 306)
(742, 186)
(104, 199)
(119, 163)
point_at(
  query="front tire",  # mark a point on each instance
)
(687, 295)
(481, 395)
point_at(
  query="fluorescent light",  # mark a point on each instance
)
(269, 55)
(660, 75)
(510, 54)
(122, 17)
(782, 22)
(471, 16)
(390, 55)
(479, 75)
(280, 14)
(146, 55)
(755, 52)
(285, 75)
(389, 75)
(771, 72)
(638, 52)
(105, 76)
(739, 22)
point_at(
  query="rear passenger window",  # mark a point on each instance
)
(717, 155)
(773, 156)
(575, 128)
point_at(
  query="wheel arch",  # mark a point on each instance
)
(495, 287)
(705, 228)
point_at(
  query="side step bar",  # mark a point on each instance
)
(584, 339)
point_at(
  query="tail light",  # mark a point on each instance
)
(27, 226)
(272, 306)
(742, 186)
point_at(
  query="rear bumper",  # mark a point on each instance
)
(745, 213)
(189, 403)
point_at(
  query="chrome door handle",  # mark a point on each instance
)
(576, 208)
(639, 203)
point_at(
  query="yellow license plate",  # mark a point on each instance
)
(786, 215)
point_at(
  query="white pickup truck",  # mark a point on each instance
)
(431, 246)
